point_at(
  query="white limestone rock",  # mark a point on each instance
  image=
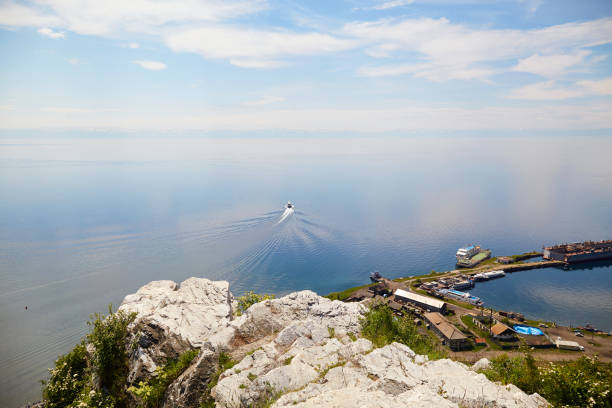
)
(304, 353)
(192, 311)
(481, 364)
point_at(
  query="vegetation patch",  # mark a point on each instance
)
(70, 382)
(332, 332)
(323, 373)
(225, 363)
(382, 327)
(581, 383)
(151, 392)
(345, 294)
(249, 299)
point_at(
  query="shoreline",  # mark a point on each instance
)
(590, 340)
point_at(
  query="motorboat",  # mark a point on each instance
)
(289, 205)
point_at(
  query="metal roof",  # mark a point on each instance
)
(419, 298)
(446, 328)
(500, 328)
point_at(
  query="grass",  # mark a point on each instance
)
(526, 255)
(581, 383)
(332, 332)
(345, 294)
(225, 362)
(249, 299)
(480, 333)
(151, 392)
(382, 327)
(71, 380)
(324, 372)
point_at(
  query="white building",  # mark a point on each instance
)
(424, 302)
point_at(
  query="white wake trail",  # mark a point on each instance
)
(287, 213)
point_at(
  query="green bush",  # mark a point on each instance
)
(108, 336)
(151, 392)
(67, 379)
(249, 299)
(581, 383)
(345, 294)
(225, 363)
(381, 327)
(70, 382)
(520, 371)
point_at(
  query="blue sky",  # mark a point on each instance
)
(357, 65)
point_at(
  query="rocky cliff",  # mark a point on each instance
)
(300, 350)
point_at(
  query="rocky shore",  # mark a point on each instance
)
(300, 350)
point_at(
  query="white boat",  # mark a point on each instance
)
(289, 205)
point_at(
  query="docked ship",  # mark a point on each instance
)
(579, 252)
(485, 276)
(461, 296)
(471, 256)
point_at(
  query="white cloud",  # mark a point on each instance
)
(266, 100)
(73, 61)
(532, 5)
(71, 110)
(448, 47)
(47, 32)
(552, 66)
(256, 63)
(432, 72)
(133, 45)
(392, 4)
(18, 15)
(6, 107)
(94, 17)
(252, 48)
(599, 87)
(550, 90)
(545, 91)
(151, 65)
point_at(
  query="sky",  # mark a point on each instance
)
(313, 66)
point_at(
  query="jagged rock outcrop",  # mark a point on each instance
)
(172, 319)
(297, 350)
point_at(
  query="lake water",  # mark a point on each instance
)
(86, 220)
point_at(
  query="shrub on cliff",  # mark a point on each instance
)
(67, 378)
(110, 358)
(581, 383)
(249, 299)
(520, 371)
(71, 380)
(381, 327)
(151, 392)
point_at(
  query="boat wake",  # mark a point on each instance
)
(288, 212)
(280, 254)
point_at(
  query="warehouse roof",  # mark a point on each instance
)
(448, 330)
(438, 304)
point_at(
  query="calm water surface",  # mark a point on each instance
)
(86, 221)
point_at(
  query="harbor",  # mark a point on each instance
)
(442, 303)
